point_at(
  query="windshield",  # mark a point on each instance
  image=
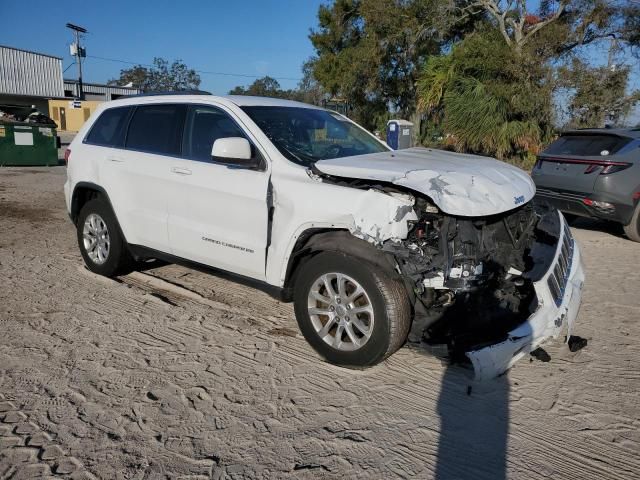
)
(306, 135)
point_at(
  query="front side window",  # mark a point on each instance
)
(157, 129)
(205, 125)
(306, 135)
(109, 130)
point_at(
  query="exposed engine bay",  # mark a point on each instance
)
(472, 276)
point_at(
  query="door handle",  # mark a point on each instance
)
(181, 171)
(116, 159)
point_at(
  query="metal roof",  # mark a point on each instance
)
(29, 73)
(179, 92)
(96, 88)
(31, 51)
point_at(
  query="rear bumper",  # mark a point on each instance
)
(558, 306)
(573, 203)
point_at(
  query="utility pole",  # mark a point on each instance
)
(79, 53)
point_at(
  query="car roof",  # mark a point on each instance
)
(250, 101)
(621, 132)
(238, 100)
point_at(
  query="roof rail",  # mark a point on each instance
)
(177, 92)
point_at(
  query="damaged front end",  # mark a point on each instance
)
(491, 273)
(490, 289)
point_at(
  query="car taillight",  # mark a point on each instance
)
(614, 167)
(67, 154)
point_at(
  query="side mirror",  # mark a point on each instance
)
(236, 148)
(234, 151)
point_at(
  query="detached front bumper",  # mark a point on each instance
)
(559, 293)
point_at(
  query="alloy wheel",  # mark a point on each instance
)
(341, 311)
(95, 236)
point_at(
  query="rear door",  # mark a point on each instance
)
(139, 176)
(218, 212)
(574, 161)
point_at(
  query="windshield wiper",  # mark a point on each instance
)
(297, 157)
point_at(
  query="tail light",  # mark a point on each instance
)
(614, 168)
(604, 207)
(592, 165)
(67, 154)
(607, 167)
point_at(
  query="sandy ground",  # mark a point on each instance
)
(171, 373)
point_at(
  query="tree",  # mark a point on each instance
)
(307, 91)
(486, 99)
(370, 52)
(262, 87)
(512, 19)
(161, 76)
(569, 24)
(493, 93)
(600, 96)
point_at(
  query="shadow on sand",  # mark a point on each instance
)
(474, 425)
(596, 225)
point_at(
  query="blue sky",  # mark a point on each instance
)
(251, 37)
(268, 37)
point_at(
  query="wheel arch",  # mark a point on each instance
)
(316, 240)
(82, 193)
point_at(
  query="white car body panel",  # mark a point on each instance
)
(302, 202)
(138, 183)
(459, 184)
(218, 216)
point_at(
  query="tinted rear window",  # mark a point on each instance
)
(157, 129)
(586, 145)
(110, 128)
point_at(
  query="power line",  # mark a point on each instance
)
(204, 72)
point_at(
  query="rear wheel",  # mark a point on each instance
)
(349, 311)
(102, 246)
(633, 229)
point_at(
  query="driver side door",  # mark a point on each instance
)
(218, 215)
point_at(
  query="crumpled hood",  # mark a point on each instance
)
(459, 184)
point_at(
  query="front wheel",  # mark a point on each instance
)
(349, 311)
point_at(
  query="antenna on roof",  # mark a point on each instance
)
(76, 28)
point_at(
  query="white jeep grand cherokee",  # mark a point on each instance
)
(372, 245)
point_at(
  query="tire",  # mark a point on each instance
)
(570, 218)
(117, 259)
(387, 319)
(633, 229)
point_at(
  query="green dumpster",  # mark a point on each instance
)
(27, 144)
